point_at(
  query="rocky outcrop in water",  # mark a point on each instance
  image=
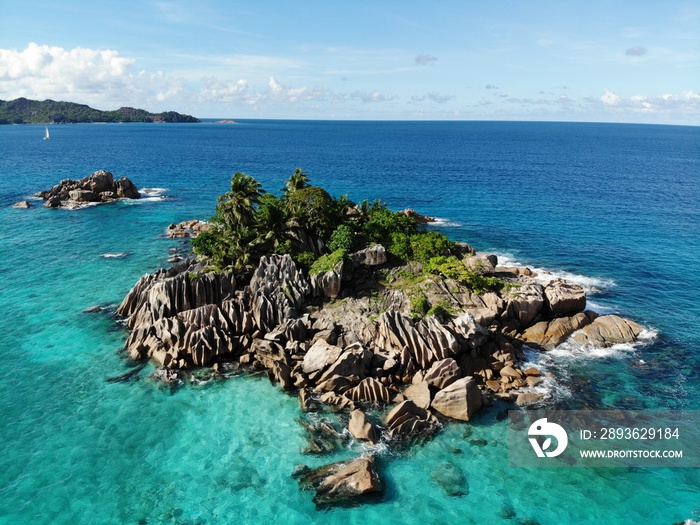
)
(341, 483)
(564, 298)
(184, 229)
(363, 350)
(549, 334)
(97, 188)
(608, 330)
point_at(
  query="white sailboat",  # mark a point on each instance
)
(47, 136)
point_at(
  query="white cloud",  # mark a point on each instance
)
(368, 97)
(281, 93)
(78, 66)
(609, 98)
(95, 76)
(217, 90)
(433, 97)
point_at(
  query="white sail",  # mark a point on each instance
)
(47, 137)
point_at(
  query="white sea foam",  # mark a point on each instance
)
(552, 374)
(590, 284)
(73, 205)
(570, 350)
(153, 192)
(382, 448)
(445, 223)
(118, 255)
(143, 200)
(554, 364)
(599, 308)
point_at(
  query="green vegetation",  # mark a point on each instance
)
(442, 309)
(419, 306)
(319, 231)
(452, 268)
(305, 221)
(25, 111)
(343, 238)
(328, 262)
(427, 245)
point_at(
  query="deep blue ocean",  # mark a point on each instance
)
(613, 207)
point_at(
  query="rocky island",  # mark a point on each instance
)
(353, 307)
(99, 187)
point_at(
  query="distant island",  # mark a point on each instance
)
(25, 111)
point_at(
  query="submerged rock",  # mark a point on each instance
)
(22, 205)
(529, 398)
(341, 483)
(451, 479)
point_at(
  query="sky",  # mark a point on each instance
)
(596, 61)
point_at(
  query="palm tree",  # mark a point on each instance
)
(297, 181)
(236, 208)
(271, 221)
(242, 253)
(342, 204)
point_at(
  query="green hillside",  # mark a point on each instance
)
(25, 111)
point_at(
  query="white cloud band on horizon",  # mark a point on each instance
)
(104, 79)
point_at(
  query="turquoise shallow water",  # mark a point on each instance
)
(612, 206)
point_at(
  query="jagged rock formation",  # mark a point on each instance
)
(328, 283)
(371, 256)
(408, 419)
(364, 349)
(185, 317)
(98, 187)
(420, 219)
(182, 318)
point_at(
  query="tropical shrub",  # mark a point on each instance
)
(452, 268)
(342, 238)
(313, 209)
(429, 244)
(419, 306)
(329, 261)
